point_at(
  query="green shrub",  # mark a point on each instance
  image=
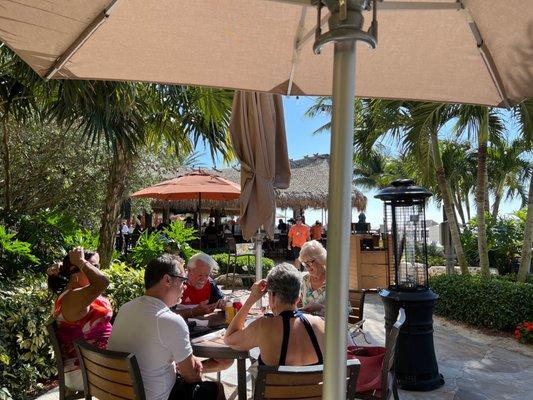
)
(245, 264)
(149, 246)
(179, 237)
(15, 255)
(125, 284)
(488, 302)
(25, 353)
(173, 239)
(46, 232)
(435, 255)
(504, 239)
(83, 238)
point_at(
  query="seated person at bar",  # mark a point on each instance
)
(301, 336)
(210, 229)
(159, 338)
(201, 294)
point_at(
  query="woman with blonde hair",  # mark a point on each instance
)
(313, 290)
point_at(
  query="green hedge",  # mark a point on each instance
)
(487, 302)
(26, 357)
(245, 265)
(25, 353)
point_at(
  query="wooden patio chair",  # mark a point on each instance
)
(388, 378)
(109, 375)
(295, 382)
(64, 392)
(233, 256)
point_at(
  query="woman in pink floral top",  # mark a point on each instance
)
(80, 310)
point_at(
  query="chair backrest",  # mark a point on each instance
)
(357, 303)
(64, 392)
(299, 382)
(109, 375)
(232, 245)
(388, 378)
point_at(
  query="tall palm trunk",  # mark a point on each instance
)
(480, 207)
(459, 207)
(7, 167)
(497, 200)
(467, 206)
(525, 263)
(487, 198)
(120, 168)
(447, 202)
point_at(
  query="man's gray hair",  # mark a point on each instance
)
(206, 259)
(284, 280)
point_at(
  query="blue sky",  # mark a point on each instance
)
(302, 142)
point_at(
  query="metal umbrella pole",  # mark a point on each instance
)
(345, 28)
(259, 261)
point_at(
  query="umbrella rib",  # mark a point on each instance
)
(296, 52)
(487, 58)
(80, 40)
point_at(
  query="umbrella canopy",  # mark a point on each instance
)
(258, 136)
(197, 184)
(470, 51)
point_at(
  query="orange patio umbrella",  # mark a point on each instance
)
(194, 185)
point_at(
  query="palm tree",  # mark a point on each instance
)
(375, 170)
(523, 114)
(415, 125)
(128, 116)
(456, 160)
(423, 126)
(483, 123)
(508, 170)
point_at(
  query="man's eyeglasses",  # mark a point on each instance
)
(184, 279)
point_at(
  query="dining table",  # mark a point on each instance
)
(210, 344)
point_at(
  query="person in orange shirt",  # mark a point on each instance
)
(298, 235)
(316, 231)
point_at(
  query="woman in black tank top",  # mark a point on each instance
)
(273, 334)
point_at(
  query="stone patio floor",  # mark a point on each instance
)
(475, 365)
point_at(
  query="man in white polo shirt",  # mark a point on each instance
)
(159, 338)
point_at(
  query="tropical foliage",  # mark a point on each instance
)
(174, 239)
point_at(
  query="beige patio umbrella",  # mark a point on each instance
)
(469, 51)
(258, 136)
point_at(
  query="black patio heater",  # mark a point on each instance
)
(405, 223)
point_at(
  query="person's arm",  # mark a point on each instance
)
(191, 369)
(76, 302)
(216, 295)
(289, 239)
(202, 308)
(237, 336)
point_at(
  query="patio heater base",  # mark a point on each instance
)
(415, 362)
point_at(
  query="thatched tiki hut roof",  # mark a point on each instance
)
(308, 188)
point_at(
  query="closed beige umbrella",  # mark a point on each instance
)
(258, 136)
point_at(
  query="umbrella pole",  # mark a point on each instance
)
(200, 219)
(340, 184)
(259, 262)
